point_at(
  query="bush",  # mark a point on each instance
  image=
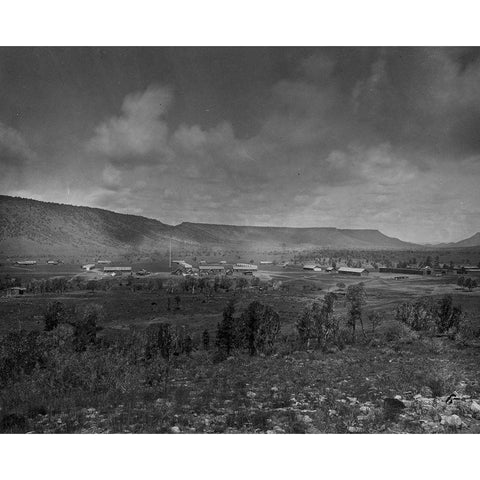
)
(20, 353)
(398, 332)
(85, 327)
(469, 330)
(448, 315)
(55, 313)
(419, 315)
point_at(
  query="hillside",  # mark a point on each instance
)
(31, 227)
(473, 241)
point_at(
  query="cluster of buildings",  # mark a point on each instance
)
(107, 269)
(214, 269)
(342, 270)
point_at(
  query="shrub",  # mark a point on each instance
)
(398, 332)
(160, 339)
(448, 316)
(85, 327)
(55, 313)
(419, 315)
(20, 353)
(343, 338)
(469, 329)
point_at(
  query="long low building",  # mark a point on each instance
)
(89, 266)
(406, 271)
(211, 268)
(245, 268)
(117, 269)
(26, 262)
(353, 271)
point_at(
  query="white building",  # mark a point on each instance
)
(313, 267)
(352, 271)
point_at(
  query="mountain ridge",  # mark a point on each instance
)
(30, 226)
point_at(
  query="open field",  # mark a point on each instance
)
(123, 307)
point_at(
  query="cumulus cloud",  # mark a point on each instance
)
(16, 159)
(139, 134)
(14, 148)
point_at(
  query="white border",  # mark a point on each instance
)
(249, 22)
(246, 22)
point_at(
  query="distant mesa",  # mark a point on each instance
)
(30, 228)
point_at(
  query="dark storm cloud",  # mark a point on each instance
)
(343, 137)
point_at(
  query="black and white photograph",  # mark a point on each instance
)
(239, 239)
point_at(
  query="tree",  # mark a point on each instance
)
(375, 321)
(356, 299)
(304, 327)
(177, 302)
(242, 282)
(226, 331)
(324, 325)
(470, 283)
(261, 327)
(206, 339)
(161, 340)
(461, 281)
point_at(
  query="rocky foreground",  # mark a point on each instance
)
(425, 387)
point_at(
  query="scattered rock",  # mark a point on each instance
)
(307, 419)
(426, 391)
(392, 407)
(452, 421)
(251, 394)
(475, 407)
(354, 429)
(175, 429)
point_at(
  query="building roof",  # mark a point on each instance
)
(351, 270)
(245, 266)
(117, 269)
(211, 267)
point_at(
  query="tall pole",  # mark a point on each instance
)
(170, 257)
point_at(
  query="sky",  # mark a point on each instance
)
(381, 138)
